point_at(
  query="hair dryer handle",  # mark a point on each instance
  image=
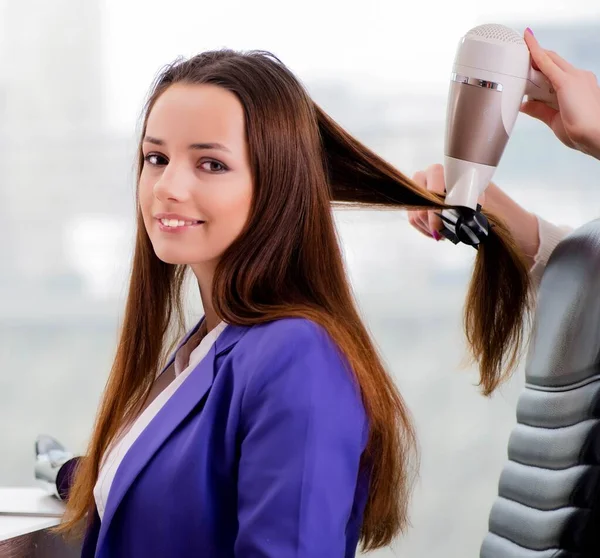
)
(540, 89)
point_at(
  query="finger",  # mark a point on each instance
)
(543, 61)
(420, 178)
(416, 219)
(540, 111)
(561, 62)
(424, 232)
(434, 222)
(435, 179)
(419, 225)
(421, 221)
(426, 221)
(435, 183)
(412, 218)
(422, 224)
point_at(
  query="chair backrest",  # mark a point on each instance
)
(549, 490)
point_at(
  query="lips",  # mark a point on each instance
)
(175, 222)
(176, 216)
(178, 222)
(179, 227)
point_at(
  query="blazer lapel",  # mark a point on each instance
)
(90, 540)
(229, 337)
(182, 343)
(175, 410)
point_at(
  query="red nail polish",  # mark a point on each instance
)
(436, 235)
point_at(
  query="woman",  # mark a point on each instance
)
(576, 124)
(274, 429)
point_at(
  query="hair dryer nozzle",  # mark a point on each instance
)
(466, 225)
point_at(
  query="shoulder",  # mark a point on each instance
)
(297, 358)
(288, 335)
(292, 341)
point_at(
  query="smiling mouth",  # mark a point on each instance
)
(175, 223)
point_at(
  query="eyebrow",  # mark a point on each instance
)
(196, 146)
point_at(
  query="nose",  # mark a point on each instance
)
(175, 183)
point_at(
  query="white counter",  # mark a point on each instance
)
(24, 510)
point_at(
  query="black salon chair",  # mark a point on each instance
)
(548, 503)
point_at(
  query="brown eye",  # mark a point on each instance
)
(155, 159)
(213, 166)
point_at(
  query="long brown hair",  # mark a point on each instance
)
(287, 262)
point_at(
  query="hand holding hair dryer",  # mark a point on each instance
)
(491, 75)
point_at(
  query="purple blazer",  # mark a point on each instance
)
(256, 455)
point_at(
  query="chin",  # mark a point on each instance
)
(171, 259)
(180, 257)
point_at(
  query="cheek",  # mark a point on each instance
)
(144, 193)
(241, 210)
(231, 212)
(145, 199)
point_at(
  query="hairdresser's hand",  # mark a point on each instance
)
(577, 123)
(522, 224)
(427, 222)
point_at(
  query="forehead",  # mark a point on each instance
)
(197, 113)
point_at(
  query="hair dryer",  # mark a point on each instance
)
(491, 75)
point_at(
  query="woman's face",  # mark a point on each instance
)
(195, 188)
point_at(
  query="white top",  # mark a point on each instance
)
(550, 236)
(166, 384)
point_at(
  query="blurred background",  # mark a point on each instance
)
(73, 79)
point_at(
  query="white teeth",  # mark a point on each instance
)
(177, 223)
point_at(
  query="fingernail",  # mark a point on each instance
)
(530, 31)
(436, 235)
